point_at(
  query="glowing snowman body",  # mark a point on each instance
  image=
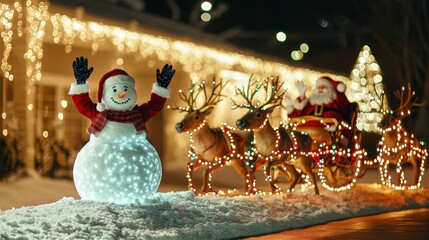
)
(119, 165)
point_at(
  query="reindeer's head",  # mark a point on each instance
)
(196, 115)
(258, 113)
(406, 104)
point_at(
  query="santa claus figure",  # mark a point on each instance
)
(118, 164)
(327, 101)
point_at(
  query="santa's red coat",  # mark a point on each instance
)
(336, 109)
(86, 107)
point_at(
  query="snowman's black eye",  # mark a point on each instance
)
(126, 90)
(114, 90)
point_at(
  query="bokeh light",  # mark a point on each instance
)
(206, 6)
(323, 23)
(297, 55)
(64, 103)
(304, 47)
(206, 17)
(281, 36)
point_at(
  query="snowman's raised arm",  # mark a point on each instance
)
(164, 77)
(80, 90)
(81, 70)
(160, 92)
(81, 74)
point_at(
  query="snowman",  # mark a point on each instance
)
(118, 164)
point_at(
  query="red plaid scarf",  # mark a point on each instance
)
(134, 116)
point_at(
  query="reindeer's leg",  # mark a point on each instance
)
(416, 169)
(295, 176)
(327, 170)
(305, 166)
(275, 174)
(192, 166)
(398, 174)
(207, 178)
(252, 181)
(241, 168)
(274, 188)
(286, 172)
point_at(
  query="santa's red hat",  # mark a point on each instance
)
(107, 80)
(339, 86)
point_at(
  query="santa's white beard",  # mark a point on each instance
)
(326, 97)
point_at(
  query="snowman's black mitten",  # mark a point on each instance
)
(81, 71)
(164, 77)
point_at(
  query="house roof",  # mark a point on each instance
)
(113, 11)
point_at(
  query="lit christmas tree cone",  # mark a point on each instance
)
(118, 164)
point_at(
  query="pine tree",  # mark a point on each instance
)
(367, 89)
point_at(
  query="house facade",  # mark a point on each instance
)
(40, 39)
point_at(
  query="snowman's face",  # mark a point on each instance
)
(120, 97)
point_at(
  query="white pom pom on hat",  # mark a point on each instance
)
(108, 79)
(101, 107)
(339, 86)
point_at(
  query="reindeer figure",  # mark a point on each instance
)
(211, 147)
(273, 147)
(397, 146)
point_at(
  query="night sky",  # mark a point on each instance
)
(334, 30)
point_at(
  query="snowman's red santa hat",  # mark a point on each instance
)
(326, 80)
(111, 78)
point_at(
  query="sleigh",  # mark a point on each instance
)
(337, 158)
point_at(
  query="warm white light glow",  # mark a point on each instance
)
(120, 61)
(60, 116)
(367, 90)
(206, 17)
(206, 6)
(64, 103)
(304, 47)
(45, 134)
(3, 115)
(30, 106)
(234, 75)
(297, 55)
(281, 36)
(5, 132)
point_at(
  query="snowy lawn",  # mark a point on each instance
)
(180, 215)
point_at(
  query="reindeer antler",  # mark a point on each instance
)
(405, 106)
(272, 89)
(275, 94)
(211, 99)
(248, 93)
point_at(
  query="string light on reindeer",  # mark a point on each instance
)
(212, 148)
(331, 154)
(398, 147)
(271, 146)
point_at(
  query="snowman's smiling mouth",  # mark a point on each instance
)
(119, 103)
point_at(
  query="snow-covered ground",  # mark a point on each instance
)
(180, 215)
